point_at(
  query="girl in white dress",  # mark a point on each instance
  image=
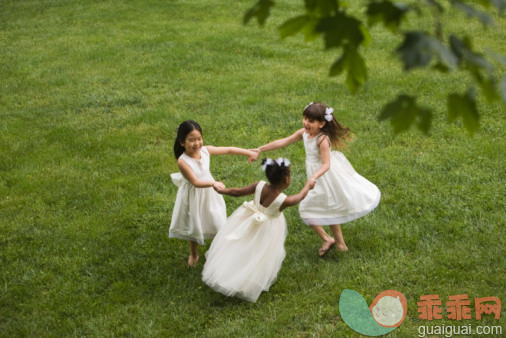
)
(198, 211)
(246, 254)
(341, 194)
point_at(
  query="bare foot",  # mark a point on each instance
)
(326, 246)
(341, 247)
(192, 260)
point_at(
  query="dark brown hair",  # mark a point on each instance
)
(337, 133)
(184, 129)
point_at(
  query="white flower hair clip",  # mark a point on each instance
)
(310, 103)
(268, 161)
(283, 161)
(328, 114)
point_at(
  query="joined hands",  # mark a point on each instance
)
(219, 186)
(254, 153)
(310, 183)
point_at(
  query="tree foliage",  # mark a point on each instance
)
(330, 20)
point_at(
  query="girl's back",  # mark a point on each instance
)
(246, 255)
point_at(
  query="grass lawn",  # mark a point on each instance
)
(91, 94)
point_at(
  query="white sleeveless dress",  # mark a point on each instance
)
(340, 195)
(246, 254)
(198, 212)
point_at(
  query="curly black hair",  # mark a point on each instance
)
(276, 174)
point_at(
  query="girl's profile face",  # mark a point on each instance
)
(312, 126)
(193, 143)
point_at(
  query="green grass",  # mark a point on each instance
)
(90, 97)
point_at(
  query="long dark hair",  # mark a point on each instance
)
(337, 133)
(184, 129)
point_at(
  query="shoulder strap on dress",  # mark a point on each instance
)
(278, 201)
(320, 139)
(185, 158)
(258, 191)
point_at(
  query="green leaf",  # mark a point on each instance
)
(418, 49)
(444, 54)
(261, 10)
(310, 4)
(366, 35)
(404, 112)
(324, 7)
(474, 63)
(293, 26)
(462, 49)
(391, 14)
(338, 66)
(340, 28)
(414, 51)
(357, 71)
(344, 4)
(352, 61)
(303, 23)
(464, 106)
(473, 12)
(309, 30)
(488, 85)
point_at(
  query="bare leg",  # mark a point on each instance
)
(194, 254)
(338, 234)
(328, 241)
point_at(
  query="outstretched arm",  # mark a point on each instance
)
(237, 192)
(297, 136)
(295, 199)
(252, 155)
(190, 176)
(325, 154)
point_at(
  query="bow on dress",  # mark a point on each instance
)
(177, 179)
(256, 218)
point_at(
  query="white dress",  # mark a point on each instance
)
(340, 195)
(246, 254)
(198, 212)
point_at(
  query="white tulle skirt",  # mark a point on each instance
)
(339, 196)
(246, 254)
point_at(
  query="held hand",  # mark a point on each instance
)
(219, 187)
(253, 156)
(311, 183)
